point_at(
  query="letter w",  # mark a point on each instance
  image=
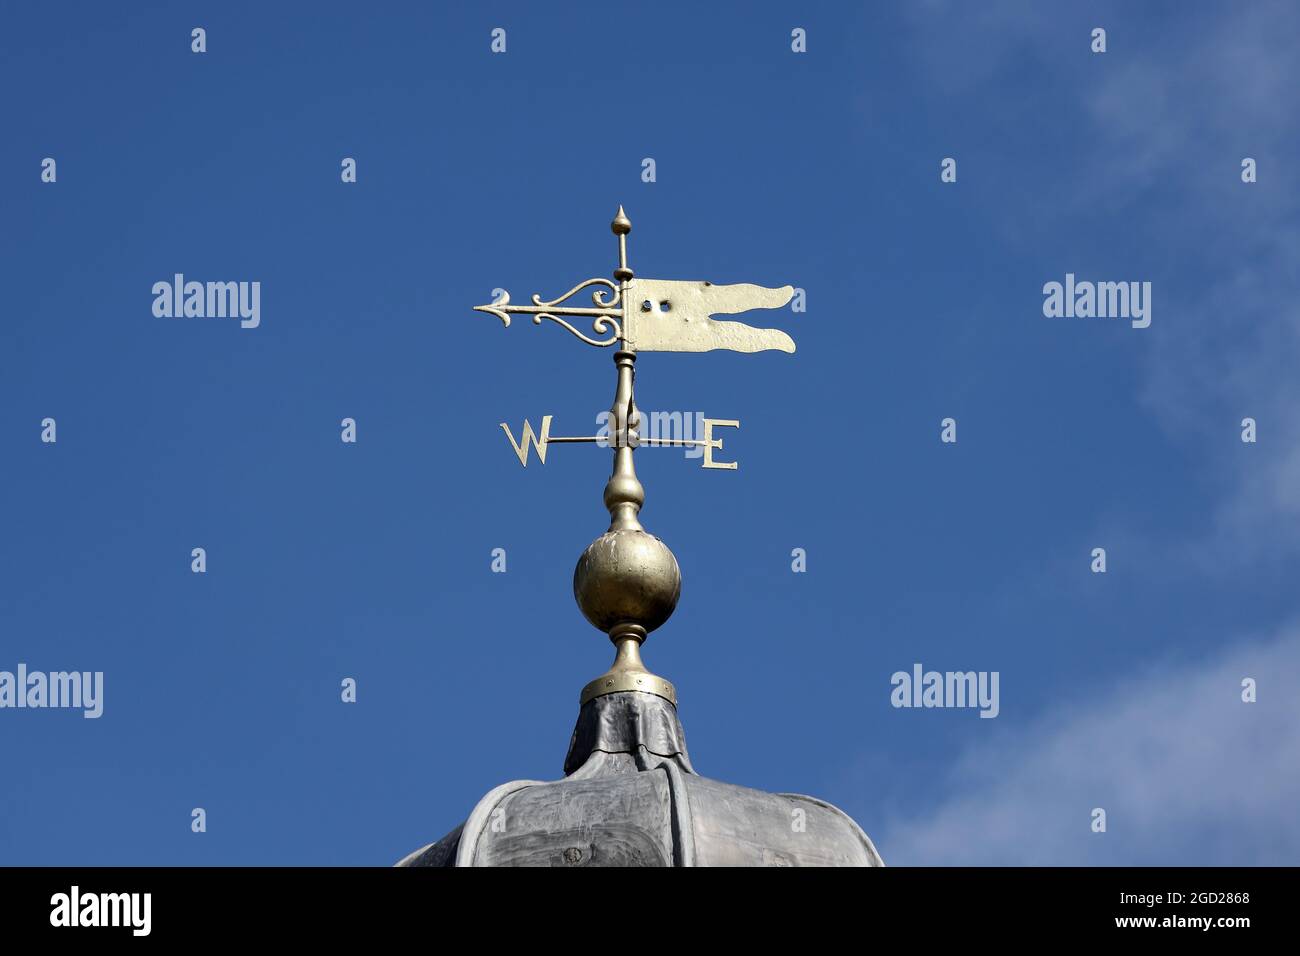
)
(529, 437)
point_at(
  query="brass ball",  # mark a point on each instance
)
(627, 577)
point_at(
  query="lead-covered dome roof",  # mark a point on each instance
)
(630, 797)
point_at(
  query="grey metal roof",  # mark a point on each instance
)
(630, 797)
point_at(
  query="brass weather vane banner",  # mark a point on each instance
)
(650, 315)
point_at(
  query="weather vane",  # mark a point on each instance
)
(627, 582)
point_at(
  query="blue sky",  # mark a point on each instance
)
(924, 301)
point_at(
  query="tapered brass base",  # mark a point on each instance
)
(628, 673)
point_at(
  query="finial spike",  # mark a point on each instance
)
(621, 227)
(621, 224)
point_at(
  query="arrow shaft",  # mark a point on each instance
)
(552, 310)
(613, 442)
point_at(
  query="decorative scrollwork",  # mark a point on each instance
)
(597, 297)
(599, 326)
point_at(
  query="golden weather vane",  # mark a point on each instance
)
(650, 315)
(627, 582)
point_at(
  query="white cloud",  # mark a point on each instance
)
(1166, 117)
(1188, 775)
